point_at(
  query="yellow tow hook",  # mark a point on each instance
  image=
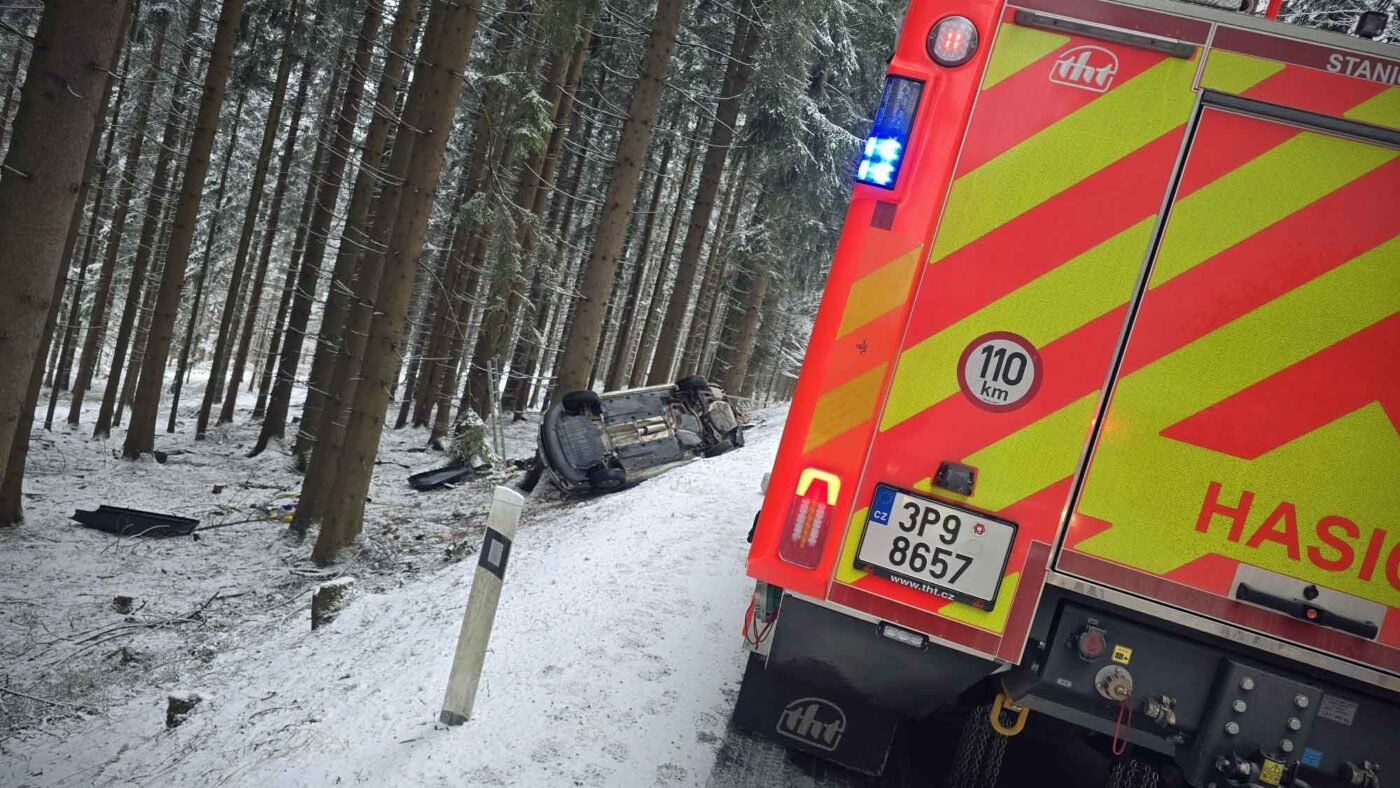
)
(1004, 704)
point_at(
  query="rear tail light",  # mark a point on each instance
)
(810, 518)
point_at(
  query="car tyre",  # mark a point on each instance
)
(577, 402)
(693, 383)
(606, 480)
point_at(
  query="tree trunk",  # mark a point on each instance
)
(250, 220)
(497, 318)
(445, 300)
(656, 307)
(99, 181)
(437, 81)
(274, 217)
(706, 305)
(75, 49)
(215, 223)
(317, 233)
(141, 326)
(12, 486)
(736, 78)
(314, 176)
(153, 224)
(11, 90)
(141, 433)
(97, 318)
(742, 328)
(343, 373)
(354, 238)
(586, 328)
(631, 305)
(131, 331)
(517, 390)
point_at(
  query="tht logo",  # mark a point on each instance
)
(1086, 67)
(815, 721)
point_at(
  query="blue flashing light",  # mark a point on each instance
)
(884, 149)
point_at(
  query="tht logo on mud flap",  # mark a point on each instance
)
(1087, 67)
(814, 721)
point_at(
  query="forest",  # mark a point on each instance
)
(420, 214)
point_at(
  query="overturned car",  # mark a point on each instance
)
(597, 443)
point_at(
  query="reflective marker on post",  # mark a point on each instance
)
(481, 606)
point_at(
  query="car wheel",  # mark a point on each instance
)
(693, 383)
(605, 480)
(582, 402)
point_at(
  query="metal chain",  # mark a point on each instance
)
(977, 763)
(1134, 773)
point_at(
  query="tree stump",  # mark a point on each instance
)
(329, 599)
(178, 707)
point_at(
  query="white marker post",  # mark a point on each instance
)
(481, 606)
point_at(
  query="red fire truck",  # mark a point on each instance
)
(1098, 422)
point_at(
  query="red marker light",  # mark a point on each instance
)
(809, 518)
(953, 41)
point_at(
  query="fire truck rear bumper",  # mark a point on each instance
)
(834, 686)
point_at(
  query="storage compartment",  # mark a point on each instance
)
(1245, 467)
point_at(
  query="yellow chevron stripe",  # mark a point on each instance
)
(879, 291)
(1382, 110)
(1056, 303)
(1031, 459)
(993, 620)
(1016, 48)
(1356, 457)
(1231, 72)
(1212, 219)
(845, 406)
(1287, 178)
(846, 571)
(1068, 151)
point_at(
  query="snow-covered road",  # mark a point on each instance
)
(615, 661)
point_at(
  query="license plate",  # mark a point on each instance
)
(935, 547)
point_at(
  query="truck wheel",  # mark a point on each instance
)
(693, 383)
(977, 763)
(577, 402)
(1133, 773)
(605, 480)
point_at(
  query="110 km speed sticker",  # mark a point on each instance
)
(999, 371)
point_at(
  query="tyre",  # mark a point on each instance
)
(693, 383)
(582, 402)
(606, 480)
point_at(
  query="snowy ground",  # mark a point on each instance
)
(615, 658)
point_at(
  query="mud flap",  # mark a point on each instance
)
(830, 725)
